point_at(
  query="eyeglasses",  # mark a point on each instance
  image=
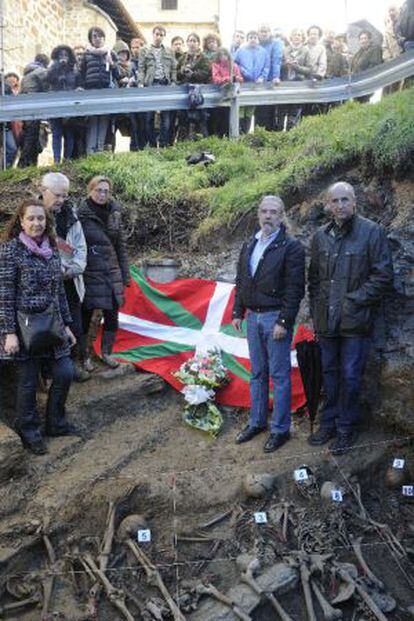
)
(59, 194)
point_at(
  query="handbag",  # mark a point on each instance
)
(42, 331)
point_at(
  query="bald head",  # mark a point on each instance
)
(54, 188)
(341, 185)
(341, 201)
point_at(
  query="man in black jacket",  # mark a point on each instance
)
(349, 272)
(269, 287)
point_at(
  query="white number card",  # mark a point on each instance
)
(260, 517)
(398, 463)
(336, 495)
(144, 535)
(301, 474)
(408, 490)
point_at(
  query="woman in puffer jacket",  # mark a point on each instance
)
(62, 75)
(107, 273)
(98, 69)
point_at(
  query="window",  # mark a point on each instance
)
(169, 5)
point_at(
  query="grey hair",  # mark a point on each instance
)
(273, 198)
(344, 184)
(52, 179)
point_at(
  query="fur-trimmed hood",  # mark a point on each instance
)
(64, 48)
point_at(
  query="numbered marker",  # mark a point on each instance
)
(260, 517)
(301, 474)
(144, 535)
(398, 463)
(408, 490)
(336, 495)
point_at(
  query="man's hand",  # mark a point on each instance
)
(71, 336)
(237, 324)
(11, 345)
(279, 332)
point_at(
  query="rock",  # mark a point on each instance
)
(12, 454)
(278, 579)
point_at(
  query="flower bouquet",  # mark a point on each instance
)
(202, 375)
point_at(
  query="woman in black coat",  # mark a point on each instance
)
(31, 282)
(98, 69)
(107, 272)
(62, 75)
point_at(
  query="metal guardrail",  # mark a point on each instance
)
(123, 100)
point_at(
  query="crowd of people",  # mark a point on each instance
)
(256, 56)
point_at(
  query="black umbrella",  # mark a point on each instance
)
(309, 361)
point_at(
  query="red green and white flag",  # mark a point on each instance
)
(163, 325)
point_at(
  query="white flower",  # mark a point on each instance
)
(194, 395)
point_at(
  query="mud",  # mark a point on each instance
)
(135, 452)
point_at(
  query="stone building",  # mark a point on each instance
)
(33, 26)
(179, 17)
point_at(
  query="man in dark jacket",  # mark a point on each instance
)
(269, 287)
(405, 24)
(349, 272)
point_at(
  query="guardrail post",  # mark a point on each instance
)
(234, 113)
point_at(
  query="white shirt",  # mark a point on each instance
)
(260, 247)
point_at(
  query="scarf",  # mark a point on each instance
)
(43, 249)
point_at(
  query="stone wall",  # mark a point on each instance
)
(190, 16)
(33, 26)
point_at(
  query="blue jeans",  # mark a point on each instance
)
(269, 358)
(61, 132)
(96, 134)
(28, 421)
(164, 135)
(343, 364)
(11, 148)
(408, 45)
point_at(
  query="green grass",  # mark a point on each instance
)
(379, 137)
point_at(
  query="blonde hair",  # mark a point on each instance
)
(96, 181)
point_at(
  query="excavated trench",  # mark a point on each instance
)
(136, 458)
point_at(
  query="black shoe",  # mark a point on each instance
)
(37, 446)
(322, 436)
(248, 433)
(275, 441)
(67, 430)
(343, 443)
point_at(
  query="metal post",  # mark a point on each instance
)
(234, 113)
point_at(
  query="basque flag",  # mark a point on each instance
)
(163, 325)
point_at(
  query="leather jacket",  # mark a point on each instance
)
(350, 271)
